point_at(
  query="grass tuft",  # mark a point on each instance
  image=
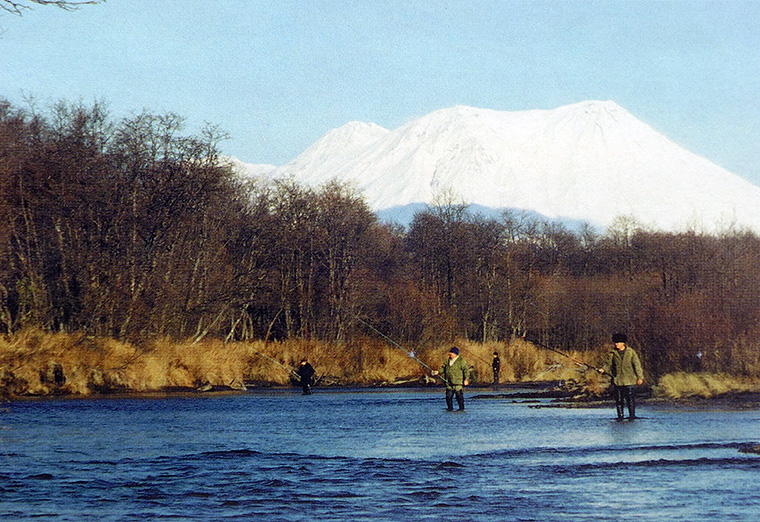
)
(683, 385)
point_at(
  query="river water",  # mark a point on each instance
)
(371, 455)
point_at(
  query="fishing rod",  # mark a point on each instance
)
(410, 354)
(577, 361)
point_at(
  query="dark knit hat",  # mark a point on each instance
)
(619, 338)
(454, 350)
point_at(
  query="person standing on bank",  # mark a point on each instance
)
(496, 365)
(456, 373)
(305, 373)
(624, 366)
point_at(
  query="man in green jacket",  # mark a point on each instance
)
(456, 373)
(624, 366)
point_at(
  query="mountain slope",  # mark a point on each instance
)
(590, 161)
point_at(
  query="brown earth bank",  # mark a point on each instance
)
(34, 363)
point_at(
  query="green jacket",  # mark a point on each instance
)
(456, 373)
(624, 367)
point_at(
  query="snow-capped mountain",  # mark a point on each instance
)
(251, 170)
(591, 161)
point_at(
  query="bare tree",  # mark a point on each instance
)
(18, 6)
(345, 223)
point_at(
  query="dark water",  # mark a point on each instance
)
(371, 456)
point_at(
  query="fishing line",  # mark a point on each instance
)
(278, 363)
(315, 379)
(473, 354)
(577, 361)
(410, 354)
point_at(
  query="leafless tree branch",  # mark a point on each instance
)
(18, 7)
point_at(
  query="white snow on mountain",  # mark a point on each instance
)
(252, 170)
(591, 161)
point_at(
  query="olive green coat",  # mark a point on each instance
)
(455, 373)
(624, 367)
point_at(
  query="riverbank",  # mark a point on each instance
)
(39, 364)
(35, 363)
(536, 395)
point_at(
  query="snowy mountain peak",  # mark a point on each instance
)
(329, 152)
(356, 131)
(598, 106)
(591, 161)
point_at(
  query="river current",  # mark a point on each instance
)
(371, 455)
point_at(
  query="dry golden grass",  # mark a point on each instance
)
(682, 385)
(28, 363)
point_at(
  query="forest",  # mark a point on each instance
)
(134, 229)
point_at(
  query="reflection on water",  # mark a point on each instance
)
(370, 455)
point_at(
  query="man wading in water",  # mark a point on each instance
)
(456, 373)
(624, 367)
(305, 372)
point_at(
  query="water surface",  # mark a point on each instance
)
(371, 455)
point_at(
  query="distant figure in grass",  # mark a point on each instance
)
(305, 373)
(456, 373)
(624, 366)
(496, 365)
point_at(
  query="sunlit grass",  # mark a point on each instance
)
(33, 362)
(681, 385)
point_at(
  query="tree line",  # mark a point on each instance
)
(134, 229)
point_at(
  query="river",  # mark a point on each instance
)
(371, 455)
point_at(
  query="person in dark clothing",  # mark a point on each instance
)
(305, 373)
(624, 366)
(496, 365)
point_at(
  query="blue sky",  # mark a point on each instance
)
(276, 75)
